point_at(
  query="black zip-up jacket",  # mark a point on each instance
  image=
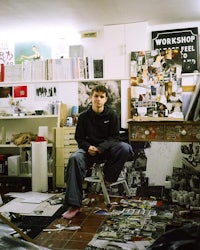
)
(99, 130)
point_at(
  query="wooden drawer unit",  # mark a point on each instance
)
(65, 145)
(146, 132)
(183, 132)
(177, 131)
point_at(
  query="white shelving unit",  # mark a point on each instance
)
(19, 124)
(10, 117)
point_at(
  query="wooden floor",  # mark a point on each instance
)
(88, 221)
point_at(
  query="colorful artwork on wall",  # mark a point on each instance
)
(156, 83)
(32, 51)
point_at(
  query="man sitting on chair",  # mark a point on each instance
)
(97, 135)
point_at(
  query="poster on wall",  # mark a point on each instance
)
(32, 51)
(114, 90)
(156, 83)
(186, 40)
(7, 55)
(20, 91)
(5, 92)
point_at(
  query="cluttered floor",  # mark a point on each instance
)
(80, 230)
(54, 232)
(130, 223)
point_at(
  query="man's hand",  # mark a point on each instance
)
(92, 150)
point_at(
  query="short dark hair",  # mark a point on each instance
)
(100, 88)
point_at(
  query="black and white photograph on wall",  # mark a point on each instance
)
(186, 40)
(42, 91)
(114, 99)
(98, 68)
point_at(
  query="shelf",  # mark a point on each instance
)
(191, 74)
(10, 117)
(60, 81)
(12, 83)
(20, 146)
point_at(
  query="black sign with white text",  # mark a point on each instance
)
(186, 40)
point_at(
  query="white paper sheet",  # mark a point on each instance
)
(16, 206)
(31, 196)
(30, 209)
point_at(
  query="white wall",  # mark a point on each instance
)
(93, 47)
(162, 157)
(67, 93)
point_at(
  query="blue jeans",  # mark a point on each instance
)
(80, 161)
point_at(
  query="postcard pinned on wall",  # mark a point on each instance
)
(20, 91)
(49, 92)
(5, 92)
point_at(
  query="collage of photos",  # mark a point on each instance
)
(156, 83)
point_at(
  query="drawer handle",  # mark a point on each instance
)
(146, 132)
(183, 132)
(198, 136)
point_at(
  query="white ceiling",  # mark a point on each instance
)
(87, 15)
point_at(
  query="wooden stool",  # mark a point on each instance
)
(98, 178)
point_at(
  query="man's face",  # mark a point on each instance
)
(98, 99)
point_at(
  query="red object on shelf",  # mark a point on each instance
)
(40, 138)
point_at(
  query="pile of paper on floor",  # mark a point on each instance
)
(30, 204)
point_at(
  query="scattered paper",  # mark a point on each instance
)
(30, 204)
(16, 206)
(31, 196)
